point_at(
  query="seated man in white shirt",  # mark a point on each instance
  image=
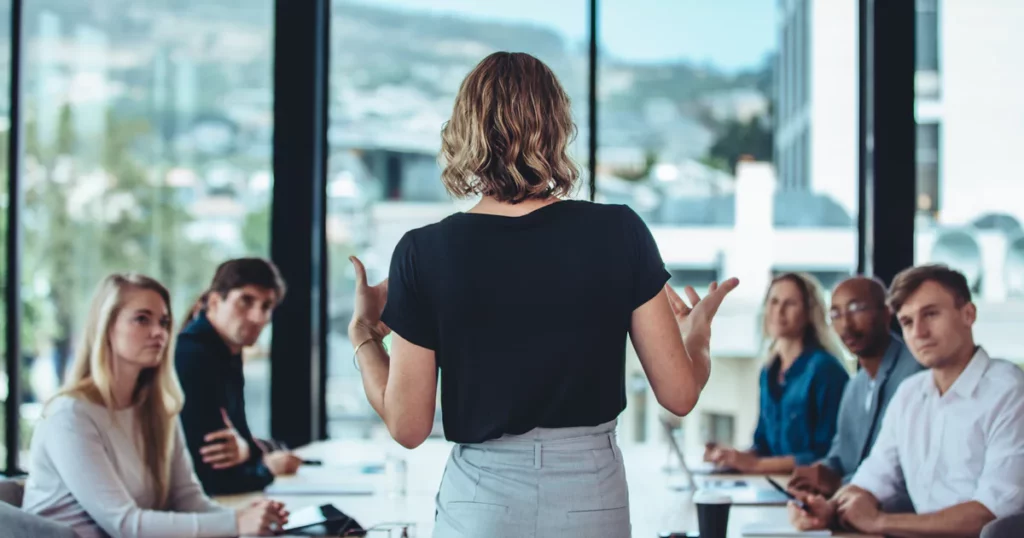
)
(953, 436)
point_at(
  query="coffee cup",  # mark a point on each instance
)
(712, 514)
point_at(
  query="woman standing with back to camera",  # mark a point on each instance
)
(524, 304)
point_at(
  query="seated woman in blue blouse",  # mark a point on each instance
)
(801, 386)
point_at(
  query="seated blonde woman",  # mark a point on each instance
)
(108, 457)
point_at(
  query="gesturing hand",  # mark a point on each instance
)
(696, 317)
(369, 305)
(225, 448)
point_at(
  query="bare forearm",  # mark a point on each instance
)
(374, 366)
(775, 465)
(698, 348)
(962, 520)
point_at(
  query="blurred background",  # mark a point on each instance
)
(146, 140)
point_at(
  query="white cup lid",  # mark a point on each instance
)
(711, 497)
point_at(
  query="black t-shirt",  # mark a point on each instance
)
(528, 316)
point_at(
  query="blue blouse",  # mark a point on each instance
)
(798, 416)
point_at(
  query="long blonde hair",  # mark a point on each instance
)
(817, 333)
(157, 398)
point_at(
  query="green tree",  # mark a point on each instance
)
(50, 238)
(87, 219)
(256, 232)
(737, 139)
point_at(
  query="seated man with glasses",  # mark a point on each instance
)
(952, 437)
(861, 319)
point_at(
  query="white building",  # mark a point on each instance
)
(753, 247)
(789, 217)
(969, 110)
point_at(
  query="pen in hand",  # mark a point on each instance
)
(803, 506)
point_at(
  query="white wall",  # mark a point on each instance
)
(834, 93)
(982, 130)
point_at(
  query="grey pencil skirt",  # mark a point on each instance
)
(544, 483)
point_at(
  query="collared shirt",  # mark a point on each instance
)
(966, 445)
(870, 396)
(863, 406)
(798, 416)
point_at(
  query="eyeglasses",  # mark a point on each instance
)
(851, 309)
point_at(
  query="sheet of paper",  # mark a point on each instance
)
(306, 488)
(779, 529)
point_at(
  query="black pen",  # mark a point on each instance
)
(803, 506)
(313, 462)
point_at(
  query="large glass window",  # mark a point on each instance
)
(926, 30)
(733, 133)
(928, 170)
(977, 222)
(396, 66)
(147, 139)
(926, 48)
(5, 131)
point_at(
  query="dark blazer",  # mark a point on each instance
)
(862, 409)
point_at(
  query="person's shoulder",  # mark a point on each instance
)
(421, 238)
(823, 361)
(66, 403)
(1003, 367)
(62, 403)
(618, 212)
(906, 365)
(859, 379)
(67, 411)
(193, 349)
(189, 338)
(598, 207)
(613, 213)
(1005, 375)
(1001, 390)
(912, 384)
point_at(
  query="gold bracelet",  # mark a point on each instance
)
(355, 352)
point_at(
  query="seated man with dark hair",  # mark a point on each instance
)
(228, 318)
(952, 436)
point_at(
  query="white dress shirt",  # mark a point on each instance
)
(965, 445)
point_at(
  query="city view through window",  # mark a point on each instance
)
(147, 145)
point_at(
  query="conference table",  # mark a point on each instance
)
(368, 469)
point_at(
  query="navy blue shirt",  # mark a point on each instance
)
(798, 416)
(211, 378)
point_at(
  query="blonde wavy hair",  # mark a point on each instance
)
(157, 398)
(509, 133)
(818, 333)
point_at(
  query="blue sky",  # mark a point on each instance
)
(731, 34)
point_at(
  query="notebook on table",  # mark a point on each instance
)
(306, 488)
(779, 530)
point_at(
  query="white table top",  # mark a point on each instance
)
(654, 505)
